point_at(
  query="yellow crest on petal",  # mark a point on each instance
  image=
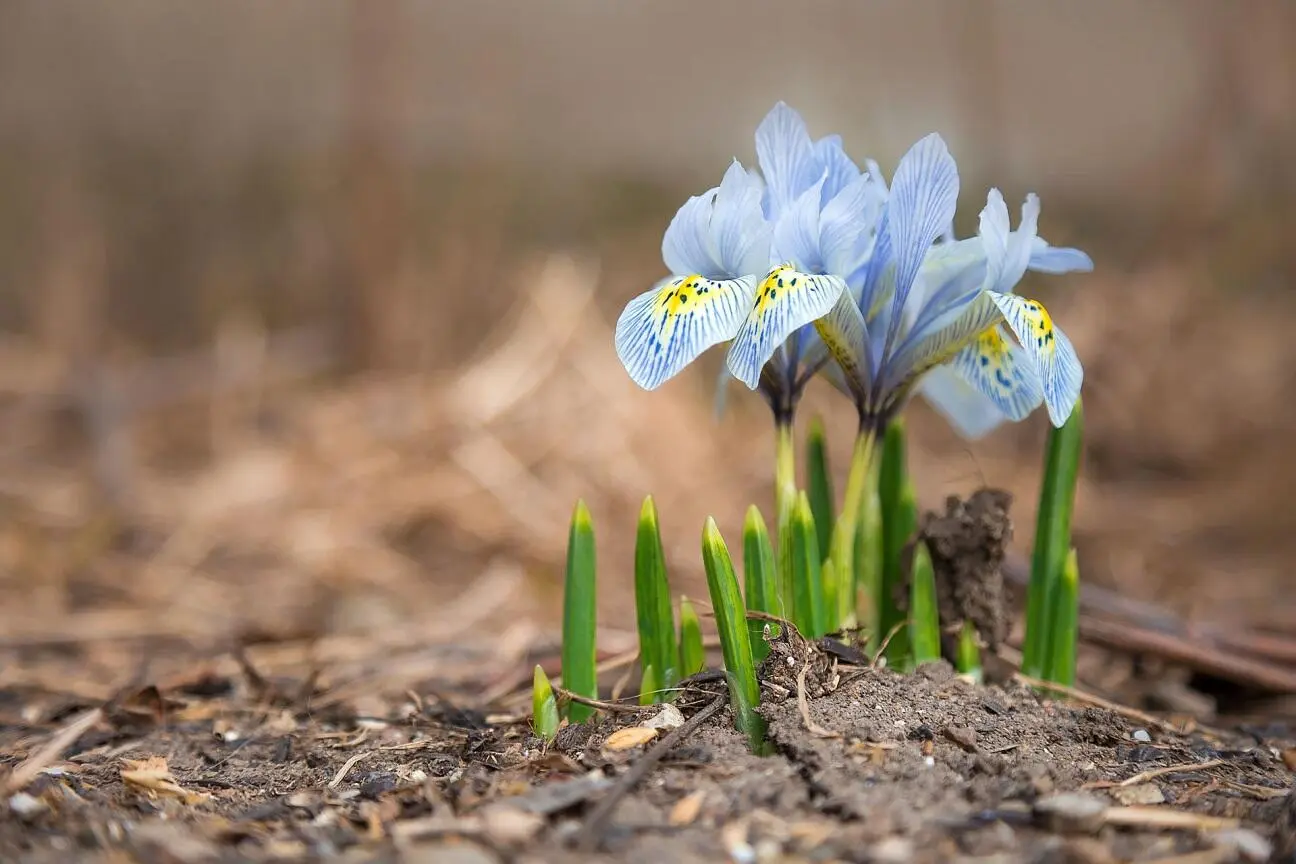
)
(663, 330)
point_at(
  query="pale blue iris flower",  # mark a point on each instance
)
(756, 261)
(922, 306)
(814, 259)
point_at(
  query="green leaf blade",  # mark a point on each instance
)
(656, 620)
(819, 485)
(969, 653)
(897, 524)
(544, 707)
(760, 579)
(1066, 624)
(867, 560)
(924, 615)
(692, 654)
(735, 643)
(807, 577)
(1052, 537)
(579, 652)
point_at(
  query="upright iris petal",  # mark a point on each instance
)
(823, 214)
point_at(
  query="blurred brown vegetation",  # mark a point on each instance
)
(306, 305)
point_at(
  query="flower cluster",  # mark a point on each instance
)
(813, 266)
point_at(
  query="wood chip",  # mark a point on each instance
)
(686, 810)
(629, 738)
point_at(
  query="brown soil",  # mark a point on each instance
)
(924, 767)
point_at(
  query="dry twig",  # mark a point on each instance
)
(64, 738)
(594, 824)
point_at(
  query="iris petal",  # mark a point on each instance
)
(844, 335)
(663, 330)
(1051, 352)
(742, 236)
(785, 301)
(972, 414)
(786, 157)
(922, 201)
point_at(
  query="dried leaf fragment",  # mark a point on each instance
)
(153, 776)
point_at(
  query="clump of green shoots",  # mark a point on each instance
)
(832, 570)
(1052, 596)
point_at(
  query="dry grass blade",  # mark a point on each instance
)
(1099, 702)
(891, 634)
(803, 703)
(64, 738)
(1145, 776)
(346, 768)
(1260, 793)
(1159, 817)
(601, 704)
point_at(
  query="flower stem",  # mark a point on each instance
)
(785, 497)
(785, 488)
(843, 537)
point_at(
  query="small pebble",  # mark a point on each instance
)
(1245, 843)
(1070, 813)
(510, 826)
(26, 806)
(668, 718)
(963, 736)
(1140, 794)
(448, 853)
(893, 850)
(1141, 735)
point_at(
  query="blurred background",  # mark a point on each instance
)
(307, 305)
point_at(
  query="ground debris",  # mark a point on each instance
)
(796, 665)
(920, 767)
(154, 777)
